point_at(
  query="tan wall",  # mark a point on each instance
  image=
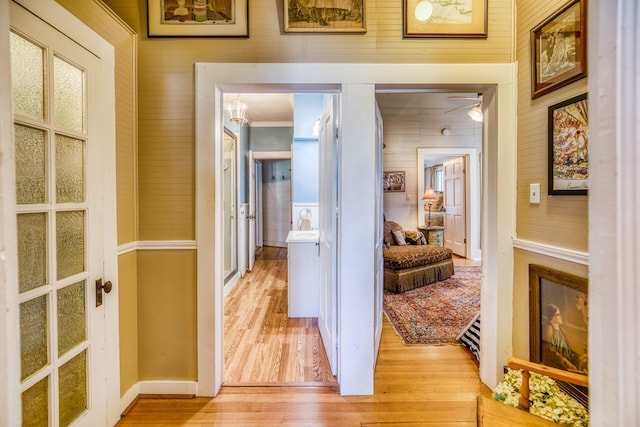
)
(167, 315)
(123, 39)
(128, 318)
(560, 221)
(413, 121)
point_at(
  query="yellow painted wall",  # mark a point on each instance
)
(167, 315)
(128, 318)
(560, 221)
(123, 39)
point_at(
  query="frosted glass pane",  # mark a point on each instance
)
(31, 148)
(73, 388)
(32, 251)
(68, 95)
(71, 317)
(69, 169)
(27, 78)
(35, 405)
(33, 336)
(70, 243)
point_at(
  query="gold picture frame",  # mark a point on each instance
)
(568, 140)
(463, 18)
(197, 18)
(559, 49)
(313, 16)
(559, 323)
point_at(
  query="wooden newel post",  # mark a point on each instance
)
(523, 402)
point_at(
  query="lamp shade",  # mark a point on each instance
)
(475, 113)
(430, 194)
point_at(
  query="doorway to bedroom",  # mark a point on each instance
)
(436, 150)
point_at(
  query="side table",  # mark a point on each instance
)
(433, 234)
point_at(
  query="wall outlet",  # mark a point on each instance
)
(409, 196)
(534, 193)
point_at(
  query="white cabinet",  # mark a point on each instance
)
(304, 273)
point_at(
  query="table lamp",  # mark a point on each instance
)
(429, 195)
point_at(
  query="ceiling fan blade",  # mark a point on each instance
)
(467, 98)
(462, 108)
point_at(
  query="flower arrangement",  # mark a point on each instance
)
(547, 400)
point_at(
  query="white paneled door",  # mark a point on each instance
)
(328, 208)
(65, 195)
(455, 206)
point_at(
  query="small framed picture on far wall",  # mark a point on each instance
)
(393, 182)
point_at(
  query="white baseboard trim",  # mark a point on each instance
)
(570, 255)
(129, 396)
(168, 387)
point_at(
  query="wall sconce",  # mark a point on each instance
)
(424, 10)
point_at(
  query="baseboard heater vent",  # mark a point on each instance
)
(470, 337)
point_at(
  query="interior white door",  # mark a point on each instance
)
(455, 206)
(252, 210)
(327, 221)
(65, 192)
(379, 263)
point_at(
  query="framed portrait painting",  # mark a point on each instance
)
(393, 182)
(198, 18)
(558, 321)
(324, 16)
(444, 18)
(559, 49)
(569, 146)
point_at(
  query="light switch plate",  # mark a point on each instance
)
(534, 193)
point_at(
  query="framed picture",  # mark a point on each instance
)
(198, 18)
(559, 49)
(569, 147)
(444, 18)
(324, 16)
(558, 321)
(393, 182)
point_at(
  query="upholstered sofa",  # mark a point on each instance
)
(412, 265)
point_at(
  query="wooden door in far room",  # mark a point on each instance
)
(454, 202)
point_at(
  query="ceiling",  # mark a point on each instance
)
(278, 107)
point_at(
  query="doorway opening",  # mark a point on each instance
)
(265, 341)
(357, 85)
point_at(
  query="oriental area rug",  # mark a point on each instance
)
(436, 313)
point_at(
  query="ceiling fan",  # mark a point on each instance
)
(475, 111)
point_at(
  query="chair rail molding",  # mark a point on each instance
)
(565, 254)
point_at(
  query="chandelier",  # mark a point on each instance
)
(237, 112)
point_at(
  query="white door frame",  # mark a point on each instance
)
(358, 83)
(10, 408)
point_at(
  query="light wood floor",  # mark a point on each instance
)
(262, 344)
(414, 386)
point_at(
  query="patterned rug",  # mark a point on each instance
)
(436, 313)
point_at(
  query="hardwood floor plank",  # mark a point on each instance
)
(413, 385)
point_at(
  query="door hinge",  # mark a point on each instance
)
(337, 132)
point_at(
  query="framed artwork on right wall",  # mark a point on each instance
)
(559, 49)
(569, 147)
